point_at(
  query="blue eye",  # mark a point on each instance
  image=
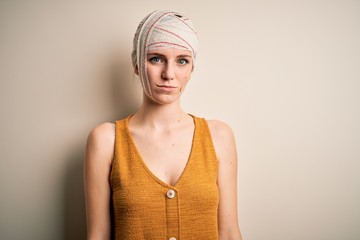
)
(155, 60)
(183, 61)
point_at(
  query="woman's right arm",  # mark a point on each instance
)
(97, 164)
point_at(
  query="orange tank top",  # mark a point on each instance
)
(144, 207)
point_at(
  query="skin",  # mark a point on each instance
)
(169, 132)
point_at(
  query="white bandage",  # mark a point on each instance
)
(162, 29)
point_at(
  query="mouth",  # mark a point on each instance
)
(165, 86)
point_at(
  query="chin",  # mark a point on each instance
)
(163, 99)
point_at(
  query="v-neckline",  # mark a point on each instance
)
(141, 160)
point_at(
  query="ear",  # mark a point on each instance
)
(136, 70)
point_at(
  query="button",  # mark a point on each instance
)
(171, 194)
(172, 238)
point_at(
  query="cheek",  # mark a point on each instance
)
(185, 75)
(185, 80)
(152, 72)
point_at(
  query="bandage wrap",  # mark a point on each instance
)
(162, 29)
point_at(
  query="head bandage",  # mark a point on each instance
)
(162, 29)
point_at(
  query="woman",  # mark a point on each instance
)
(162, 173)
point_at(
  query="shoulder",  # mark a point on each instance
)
(222, 136)
(100, 141)
(104, 132)
(219, 129)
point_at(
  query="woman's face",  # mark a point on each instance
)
(168, 71)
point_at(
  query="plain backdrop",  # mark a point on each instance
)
(285, 75)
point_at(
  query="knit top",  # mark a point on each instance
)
(145, 207)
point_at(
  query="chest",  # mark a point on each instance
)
(165, 154)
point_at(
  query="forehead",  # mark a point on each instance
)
(170, 52)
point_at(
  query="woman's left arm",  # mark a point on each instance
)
(225, 147)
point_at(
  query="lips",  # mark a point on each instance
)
(165, 86)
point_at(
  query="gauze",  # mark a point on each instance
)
(162, 29)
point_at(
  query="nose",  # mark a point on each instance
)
(168, 72)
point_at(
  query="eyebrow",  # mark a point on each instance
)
(185, 55)
(162, 55)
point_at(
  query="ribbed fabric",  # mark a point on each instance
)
(144, 208)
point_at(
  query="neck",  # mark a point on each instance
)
(160, 116)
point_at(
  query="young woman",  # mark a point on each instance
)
(162, 173)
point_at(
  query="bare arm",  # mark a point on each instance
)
(97, 164)
(225, 148)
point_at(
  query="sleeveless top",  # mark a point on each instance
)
(145, 207)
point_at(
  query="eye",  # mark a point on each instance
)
(155, 59)
(183, 61)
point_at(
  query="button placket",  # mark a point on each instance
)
(172, 213)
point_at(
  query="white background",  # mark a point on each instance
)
(285, 75)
